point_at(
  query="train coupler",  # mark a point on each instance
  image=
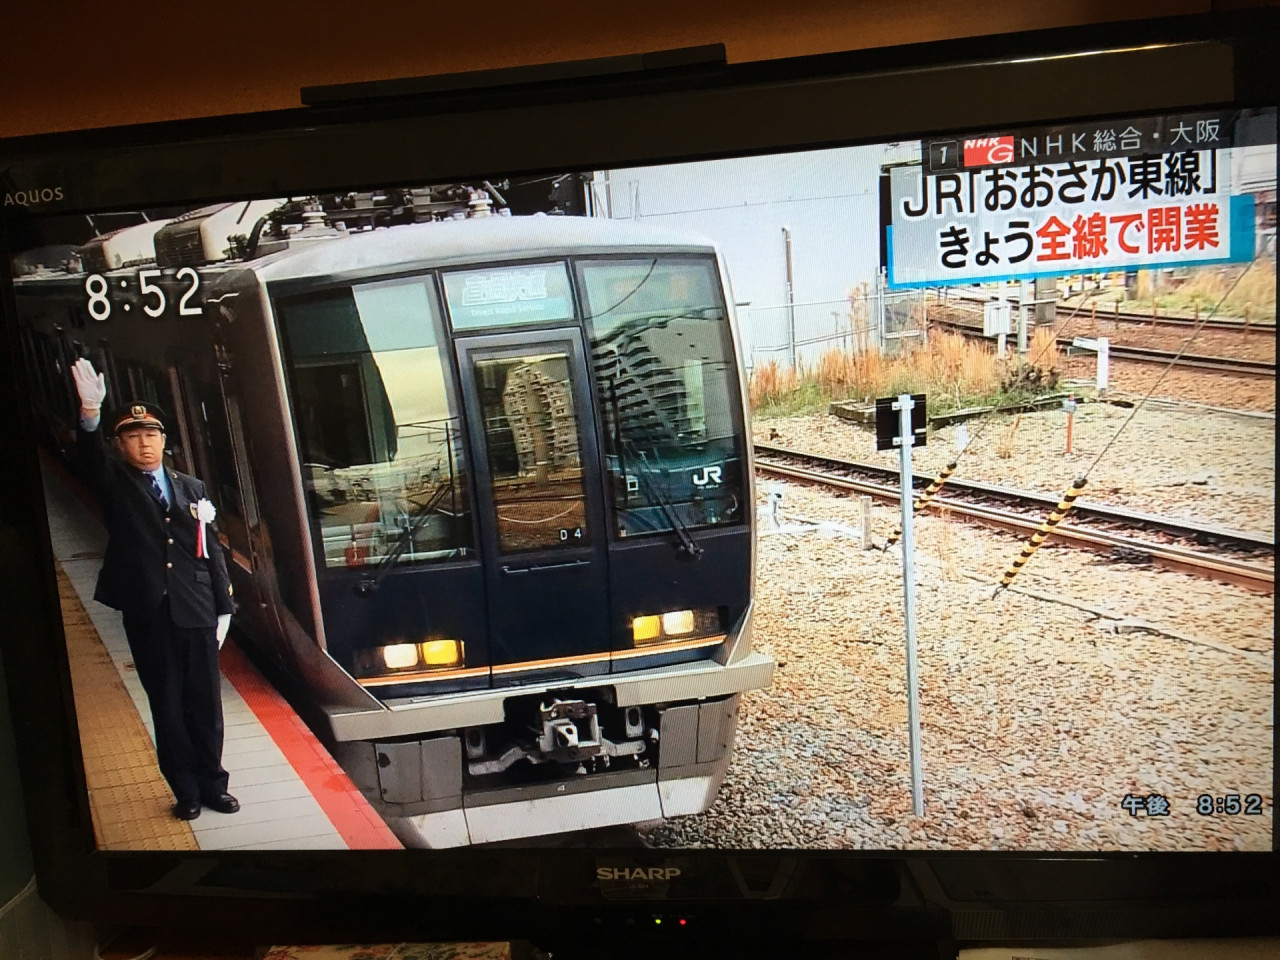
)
(570, 733)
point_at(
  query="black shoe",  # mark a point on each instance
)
(222, 803)
(186, 809)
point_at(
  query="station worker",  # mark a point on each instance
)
(164, 570)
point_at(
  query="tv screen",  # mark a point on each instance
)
(393, 490)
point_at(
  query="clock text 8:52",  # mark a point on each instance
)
(154, 301)
(1231, 804)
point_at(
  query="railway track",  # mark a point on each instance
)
(1232, 556)
(1144, 319)
(1232, 365)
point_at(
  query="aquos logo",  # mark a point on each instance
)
(637, 873)
(25, 198)
(985, 151)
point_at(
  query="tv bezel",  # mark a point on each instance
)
(694, 112)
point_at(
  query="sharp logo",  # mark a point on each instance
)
(637, 873)
(25, 198)
(987, 150)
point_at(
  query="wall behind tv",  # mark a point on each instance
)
(69, 65)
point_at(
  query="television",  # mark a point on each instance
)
(460, 507)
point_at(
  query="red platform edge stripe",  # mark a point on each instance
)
(345, 806)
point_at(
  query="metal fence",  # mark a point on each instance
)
(797, 334)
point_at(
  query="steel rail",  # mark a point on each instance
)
(1232, 365)
(1249, 575)
(1088, 509)
(1210, 323)
(1236, 365)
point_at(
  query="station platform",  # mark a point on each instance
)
(292, 793)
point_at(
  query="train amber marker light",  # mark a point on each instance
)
(903, 423)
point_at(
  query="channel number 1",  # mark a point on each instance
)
(96, 287)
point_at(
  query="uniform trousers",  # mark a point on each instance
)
(178, 667)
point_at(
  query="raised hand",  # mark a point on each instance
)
(91, 385)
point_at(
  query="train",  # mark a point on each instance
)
(484, 484)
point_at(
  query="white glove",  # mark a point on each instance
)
(205, 511)
(91, 385)
(224, 624)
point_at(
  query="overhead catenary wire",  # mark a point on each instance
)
(1068, 499)
(1195, 332)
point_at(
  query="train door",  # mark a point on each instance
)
(539, 504)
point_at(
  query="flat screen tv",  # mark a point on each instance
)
(461, 507)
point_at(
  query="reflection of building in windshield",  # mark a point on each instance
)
(648, 398)
(531, 438)
(541, 419)
(663, 356)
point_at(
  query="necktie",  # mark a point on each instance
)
(156, 491)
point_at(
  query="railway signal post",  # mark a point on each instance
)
(1101, 346)
(904, 431)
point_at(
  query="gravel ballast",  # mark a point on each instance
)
(1040, 708)
(1179, 461)
(1038, 715)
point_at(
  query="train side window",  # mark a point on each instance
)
(662, 354)
(181, 423)
(156, 389)
(247, 496)
(378, 426)
(222, 474)
(107, 364)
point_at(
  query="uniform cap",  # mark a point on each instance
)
(138, 414)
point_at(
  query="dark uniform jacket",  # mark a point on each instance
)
(151, 551)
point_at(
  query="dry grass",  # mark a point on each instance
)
(948, 365)
(1004, 446)
(1203, 288)
(770, 383)
(1042, 351)
(953, 371)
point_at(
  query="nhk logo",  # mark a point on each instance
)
(984, 151)
(637, 873)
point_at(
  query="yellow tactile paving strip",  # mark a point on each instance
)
(129, 800)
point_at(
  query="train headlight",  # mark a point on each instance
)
(646, 629)
(677, 623)
(434, 659)
(400, 656)
(673, 626)
(441, 653)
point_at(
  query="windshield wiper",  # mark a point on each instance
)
(402, 542)
(688, 545)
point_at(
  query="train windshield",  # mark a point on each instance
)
(377, 424)
(663, 357)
